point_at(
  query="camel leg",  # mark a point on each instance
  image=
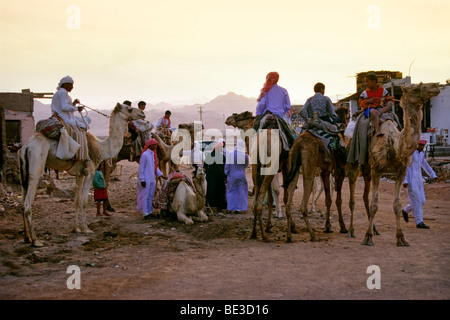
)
(32, 168)
(276, 191)
(256, 188)
(317, 181)
(352, 177)
(326, 183)
(270, 208)
(108, 171)
(202, 217)
(258, 207)
(339, 181)
(183, 218)
(87, 181)
(308, 181)
(398, 209)
(288, 200)
(367, 182)
(373, 209)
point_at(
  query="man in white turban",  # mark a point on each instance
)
(64, 108)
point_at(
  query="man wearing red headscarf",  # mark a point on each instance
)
(148, 172)
(273, 98)
(274, 101)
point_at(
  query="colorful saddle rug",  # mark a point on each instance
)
(167, 192)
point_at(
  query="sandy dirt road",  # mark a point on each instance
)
(130, 258)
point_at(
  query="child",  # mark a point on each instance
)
(370, 101)
(100, 194)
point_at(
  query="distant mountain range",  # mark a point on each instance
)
(214, 112)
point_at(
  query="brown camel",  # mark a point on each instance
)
(390, 154)
(308, 152)
(244, 121)
(267, 157)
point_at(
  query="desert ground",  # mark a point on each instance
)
(129, 258)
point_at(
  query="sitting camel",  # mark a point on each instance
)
(187, 203)
(40, 152)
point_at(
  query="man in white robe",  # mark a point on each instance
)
(148, 172)
(63, 106)
(414, 184)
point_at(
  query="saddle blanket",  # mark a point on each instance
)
(167, 192)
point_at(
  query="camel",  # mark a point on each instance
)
(390, 154)
(187, 202)
(40, 152)
(308, 152)
(263, 171)
(163, 152)
(165, 134)
(244, 121)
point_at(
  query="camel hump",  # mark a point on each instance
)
(94, 148)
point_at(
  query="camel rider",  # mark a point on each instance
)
(371, 100)
(63, 106)
(164, 122)
(64, 109)
(275, 100)
(140, 130)
(321, 104)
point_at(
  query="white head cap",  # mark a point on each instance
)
(66, 79)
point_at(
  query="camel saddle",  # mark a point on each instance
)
(328, 134)
(287, 134)
(51, 127)
(359, 146)
(167, 192)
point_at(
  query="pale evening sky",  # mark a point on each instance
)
(182, 51)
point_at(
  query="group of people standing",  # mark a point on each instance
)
(227, 186)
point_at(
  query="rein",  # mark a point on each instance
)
(84, 106)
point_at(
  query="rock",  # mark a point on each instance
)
(56, 189)
(43, 183)
(447, 181)
(77, 242)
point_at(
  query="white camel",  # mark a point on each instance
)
(40, 152)
(187, 203)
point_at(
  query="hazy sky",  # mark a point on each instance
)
(192, 51)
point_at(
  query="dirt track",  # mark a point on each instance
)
(129, 258)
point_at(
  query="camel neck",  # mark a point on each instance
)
(411, 133)
(111, 146)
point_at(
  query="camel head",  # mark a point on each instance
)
(200, 173)
(188, 126)
(231, 120)
(127, 113)
(240, 120)
(420, 93)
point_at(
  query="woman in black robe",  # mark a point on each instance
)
(215, 177)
